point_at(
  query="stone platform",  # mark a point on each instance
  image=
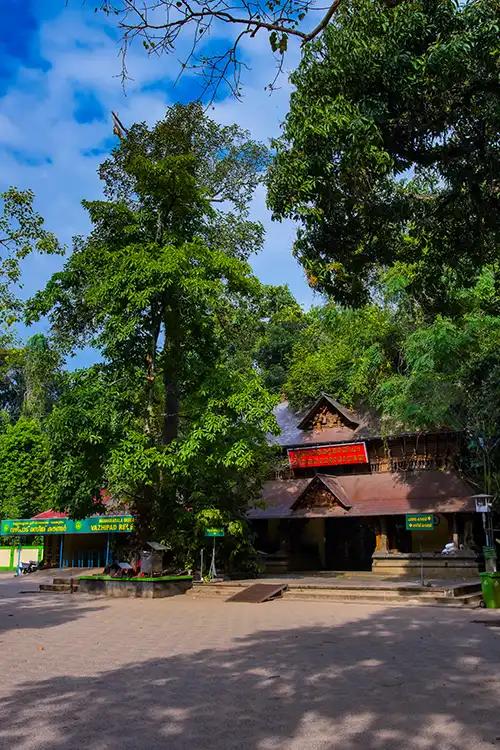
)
(454, 567)
(148, 588)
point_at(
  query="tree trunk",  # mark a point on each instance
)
(171, 357)
(151, 370)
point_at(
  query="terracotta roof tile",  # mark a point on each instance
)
(45, 514)
(372, 494)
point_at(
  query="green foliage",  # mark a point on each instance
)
(343, 352)
(12, 382)
(389, 155)
(174, 419)
(25, 486)
(42, 377)
(235, 551)
(89, 418)
(279, 333)
(178, 172)
(419, 375)
(21, 233)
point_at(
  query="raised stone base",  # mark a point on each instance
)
(456, 567)
(149, 588)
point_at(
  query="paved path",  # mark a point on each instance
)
(183, 674)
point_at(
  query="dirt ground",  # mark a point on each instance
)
(183, 674)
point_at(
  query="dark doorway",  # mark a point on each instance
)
(349, 544)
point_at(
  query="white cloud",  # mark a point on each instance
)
(43, 147)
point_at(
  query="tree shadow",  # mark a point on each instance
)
(40, 610)
(393, 680)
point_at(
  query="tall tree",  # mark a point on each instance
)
(389, 155)
(25, 469)
(156, 287)
(41, 375)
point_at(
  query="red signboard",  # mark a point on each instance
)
(328, 455)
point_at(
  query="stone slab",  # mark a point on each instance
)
(134, 588)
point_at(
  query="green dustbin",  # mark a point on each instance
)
(490, 585)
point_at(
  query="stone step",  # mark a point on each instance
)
(59, 588)
(401, 592)
(468, 596)
(213, 591)
(386, 597)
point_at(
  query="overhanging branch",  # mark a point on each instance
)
(161, 25)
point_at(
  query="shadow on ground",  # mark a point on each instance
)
(395, 680)
(40, 611)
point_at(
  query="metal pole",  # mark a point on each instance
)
(213, 572)
(486, 529)
(61, 547)
(18, 571)
(107, 550)
(201, 564)
(421, 563)
(489, 536)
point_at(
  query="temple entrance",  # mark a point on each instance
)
(349, 544)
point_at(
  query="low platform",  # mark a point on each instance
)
(149, 588)
(462, 565)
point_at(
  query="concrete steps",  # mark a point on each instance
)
(386, 597)
(466, 595)
(213, 591)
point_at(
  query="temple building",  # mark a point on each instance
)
(341, 499)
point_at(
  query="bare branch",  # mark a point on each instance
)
(161, 25)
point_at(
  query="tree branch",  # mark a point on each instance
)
(159, 24)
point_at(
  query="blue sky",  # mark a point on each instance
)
(59, 81)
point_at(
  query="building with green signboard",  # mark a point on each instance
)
(341, 496)
(67, 543)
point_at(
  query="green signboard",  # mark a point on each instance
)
(214, 532)
(420, 521)
(92, 525)
(489, 553)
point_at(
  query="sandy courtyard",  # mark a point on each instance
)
(185, 674)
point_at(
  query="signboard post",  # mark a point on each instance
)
(483, 504)
(421, 522)
(214, 534)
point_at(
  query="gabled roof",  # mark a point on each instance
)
(331, 485)
(291, 433)
(384, 493)
(353, 419)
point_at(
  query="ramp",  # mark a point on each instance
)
(259, 592)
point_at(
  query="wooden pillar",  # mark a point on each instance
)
(382, 543)
(455, 536)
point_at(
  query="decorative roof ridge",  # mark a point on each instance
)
(327, 480)
(348, 415)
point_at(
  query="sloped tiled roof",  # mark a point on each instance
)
(384, 493)
(292, 434)
(46, 514)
